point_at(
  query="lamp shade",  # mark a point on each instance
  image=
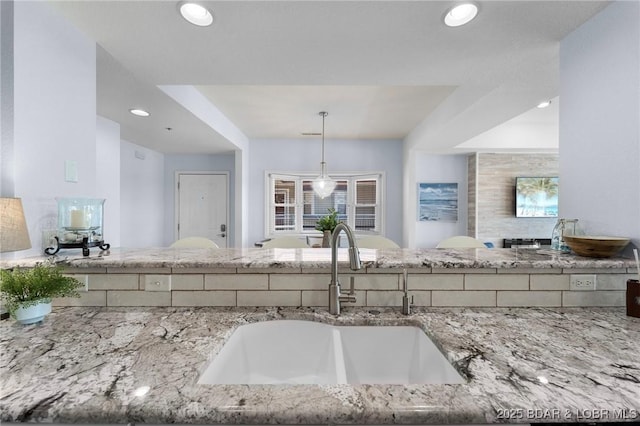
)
(14, 234)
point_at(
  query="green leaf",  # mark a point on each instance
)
(328, 222)
(27, 286)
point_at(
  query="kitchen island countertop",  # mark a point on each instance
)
(320, 258)
(522, 365)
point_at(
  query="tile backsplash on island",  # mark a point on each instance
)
(470, 287)
(300, 277)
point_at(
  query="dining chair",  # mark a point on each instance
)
(461, 241)
(376, 242)
(194, 242)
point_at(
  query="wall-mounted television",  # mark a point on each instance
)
(537, 196)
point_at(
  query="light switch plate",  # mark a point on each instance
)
(157, 283)
(70, 171)
(582, 282)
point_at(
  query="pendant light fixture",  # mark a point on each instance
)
(323, 185)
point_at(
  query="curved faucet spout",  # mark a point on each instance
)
(354, 254)
(335, 297)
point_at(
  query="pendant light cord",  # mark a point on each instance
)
(323, 114)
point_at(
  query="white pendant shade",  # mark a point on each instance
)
(323, 185)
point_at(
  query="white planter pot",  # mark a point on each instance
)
(33, 314)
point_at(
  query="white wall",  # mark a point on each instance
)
(142, 196)
(436, 169)
(108, 176)
(600, 122)
(242, 182)
(7, 188)
(196, 163)
(303, 155)
(54, 109)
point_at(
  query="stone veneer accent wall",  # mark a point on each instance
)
(472, 193)
(494, 207)
(374, 287)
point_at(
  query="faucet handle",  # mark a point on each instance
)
(352, 286)
(407, 304)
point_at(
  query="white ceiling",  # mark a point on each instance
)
(364, 112)
(382, 69)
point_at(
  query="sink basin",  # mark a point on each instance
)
(304, 352)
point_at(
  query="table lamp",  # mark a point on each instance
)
(14, 235)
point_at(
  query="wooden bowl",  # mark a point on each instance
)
(595, 246)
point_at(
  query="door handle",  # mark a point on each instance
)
(223, 228)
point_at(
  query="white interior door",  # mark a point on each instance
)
(202, 206)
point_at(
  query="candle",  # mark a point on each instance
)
(78, 219)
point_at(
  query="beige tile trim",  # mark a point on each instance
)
(113, 282)
(138, 298)
(464, 271)
(530, 271)
(89, 298)
(283, 271)
(496, 282)
(299, 281)
(593, 298)
(463, 298)
(203, 298)
(436, 282)
(236, 282)
(529, 298)
(269, 298)
(178, 270)
(549, 282)
(138, 271)
(187, 282)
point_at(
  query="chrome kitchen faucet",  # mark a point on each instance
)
(335, 297)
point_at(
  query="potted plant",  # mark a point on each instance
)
(326, 224)
(27, 292)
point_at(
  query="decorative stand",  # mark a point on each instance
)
(80, 225)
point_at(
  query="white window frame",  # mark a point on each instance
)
(299, 177)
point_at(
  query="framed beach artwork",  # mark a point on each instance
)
(537, 197)
(438, 202)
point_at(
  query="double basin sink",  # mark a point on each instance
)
(304, 352)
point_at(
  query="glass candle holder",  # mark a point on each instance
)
(80, 224)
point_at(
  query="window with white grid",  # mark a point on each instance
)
(293, 207)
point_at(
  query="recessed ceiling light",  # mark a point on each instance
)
(196, 14)
(544, 104)
(461, 14)
(139, 112)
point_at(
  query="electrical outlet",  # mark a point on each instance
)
(582, 282)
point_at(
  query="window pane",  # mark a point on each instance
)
(366, 192)
(340, 200)
(285, 192)
(315, 207)
(285, 218)
(366, 218)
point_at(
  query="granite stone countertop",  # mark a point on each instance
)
(321, 258)
(84, 365)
